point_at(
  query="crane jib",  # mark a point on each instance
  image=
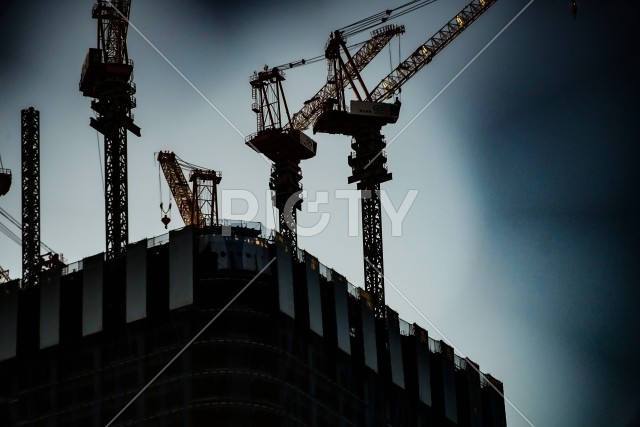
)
(425, 53)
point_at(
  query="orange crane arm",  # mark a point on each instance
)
(178, 185)
(313, 107)
(425, 52)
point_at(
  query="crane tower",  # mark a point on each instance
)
(285, 144)
(364, 122)
(30, 197)
(107, 76)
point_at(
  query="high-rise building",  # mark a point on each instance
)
(299, 346)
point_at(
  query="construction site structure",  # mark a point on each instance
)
(299, 347)
(198, 207)
(364, 121)
(30, 197)
(107, 76)
(33, 263)
(280, 136)
(284, 148)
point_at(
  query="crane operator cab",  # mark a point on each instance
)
(5, 179)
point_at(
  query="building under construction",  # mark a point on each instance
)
(300, 345)
(227, 325)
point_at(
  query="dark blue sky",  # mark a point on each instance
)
(522, 245)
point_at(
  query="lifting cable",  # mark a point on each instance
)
(363, 25)
(11, 235)
(383, 17)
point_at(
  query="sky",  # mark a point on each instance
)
(521, 246)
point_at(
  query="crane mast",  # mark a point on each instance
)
(286, 146)
(198, 207)
(30, 197)
(364, 123)
(106, 76)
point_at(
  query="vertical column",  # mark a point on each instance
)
(342, 312)
(450, 401)
(50, 308)
(472, 394)
(368, 331)
(180, 268)
(422, 361)
(136, 293)
(493, 403)
(395, 348)
(285, 277)
(30, 197)
(8, 320)
(313, 294)
(92, 291)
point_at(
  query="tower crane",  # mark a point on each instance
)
(107, 76)
(367, 115)
(285, 144)
(198, 207)
(32, 261)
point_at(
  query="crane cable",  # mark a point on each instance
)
(11, 235)
(363, 25)
(383, 17)
(164, 212)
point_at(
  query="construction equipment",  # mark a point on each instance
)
(30, 197)
(286, 145)
(5, 179)
(198, 207)
(367, 115)
(284, 149)
(107, 76)
(32, 261)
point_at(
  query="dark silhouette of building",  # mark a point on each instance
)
(299, 347)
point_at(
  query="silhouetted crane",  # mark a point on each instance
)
(198, 207)
(285, 144)
(107, 76)
(367, 115)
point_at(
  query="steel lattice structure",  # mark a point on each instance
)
(313, 107)
(107, 77)
(286, 145)
(364, 124)
(198, 207)
(30, 197)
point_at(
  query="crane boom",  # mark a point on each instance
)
(313, 107)
(198, 207)
(426, 51)
(177, 184)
